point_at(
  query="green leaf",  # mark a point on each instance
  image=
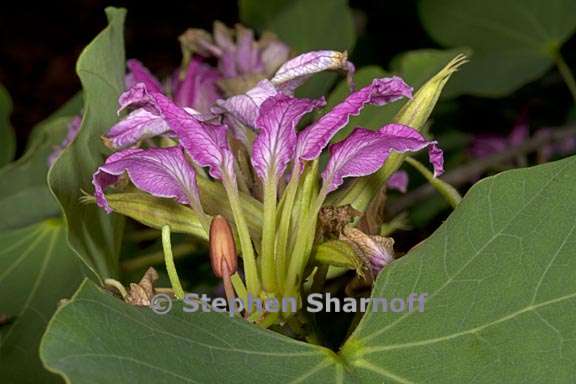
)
(143, 347)
(257, 14)
(500, 275)
(37, 269)
(7, 138)
(501, 284)
(315, 25)
(416, 67)
(94, 235)
(514, 42)
(24, 195)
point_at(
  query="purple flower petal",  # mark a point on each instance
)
(198, 89)
(247, 52)
(245, 108)
(138, 125)
(140, 74)
(365, 151)
(296, 71)
(274, 54)
(206, 143)
(275, 144)
(137, 96)
(161, 172)
(401, 138)
(315, 137)
(398, 181)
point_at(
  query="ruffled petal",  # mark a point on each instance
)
(365, 151)
(245, 108)
(161, 172)
(140, 124)
(138, 73)
(296, 71)
(315, 137)
(206, 143)
(275, 144)
(137, 96)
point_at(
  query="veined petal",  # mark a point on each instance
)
(138, 73)
(296, 71)
(365, 151)
(398, 181)
(206, 143)
(161, 172)
(315, 137)
(138, 125)
(401, 138)
(137, 96)
(275, 144)
(245, 108)
(198, 89)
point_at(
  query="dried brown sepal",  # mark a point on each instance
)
(223, 257)
(333, 220)
(140, 294)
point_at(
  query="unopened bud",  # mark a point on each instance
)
(223, 258)
(416, 111)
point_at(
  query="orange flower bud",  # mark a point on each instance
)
(223, 256)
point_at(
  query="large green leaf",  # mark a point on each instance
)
(500, 275)
(143, 347)
(501, 281)
(514, 41)
(24, 195)
(306, 26)
(258, 14)
(37, 269)
(94, 235)
(7, 138)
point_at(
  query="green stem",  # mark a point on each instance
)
(284, 228)
(250, 267)
(170, 266)
(566, 74)
(268, 236)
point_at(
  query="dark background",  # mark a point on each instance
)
(40, 41)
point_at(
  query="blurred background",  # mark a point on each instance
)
(39, 46)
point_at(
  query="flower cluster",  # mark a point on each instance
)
(249, 142)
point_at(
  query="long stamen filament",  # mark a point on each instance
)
(269, 235)
(169, 261)
(304, 237)
(250, 267)
(284, 228)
